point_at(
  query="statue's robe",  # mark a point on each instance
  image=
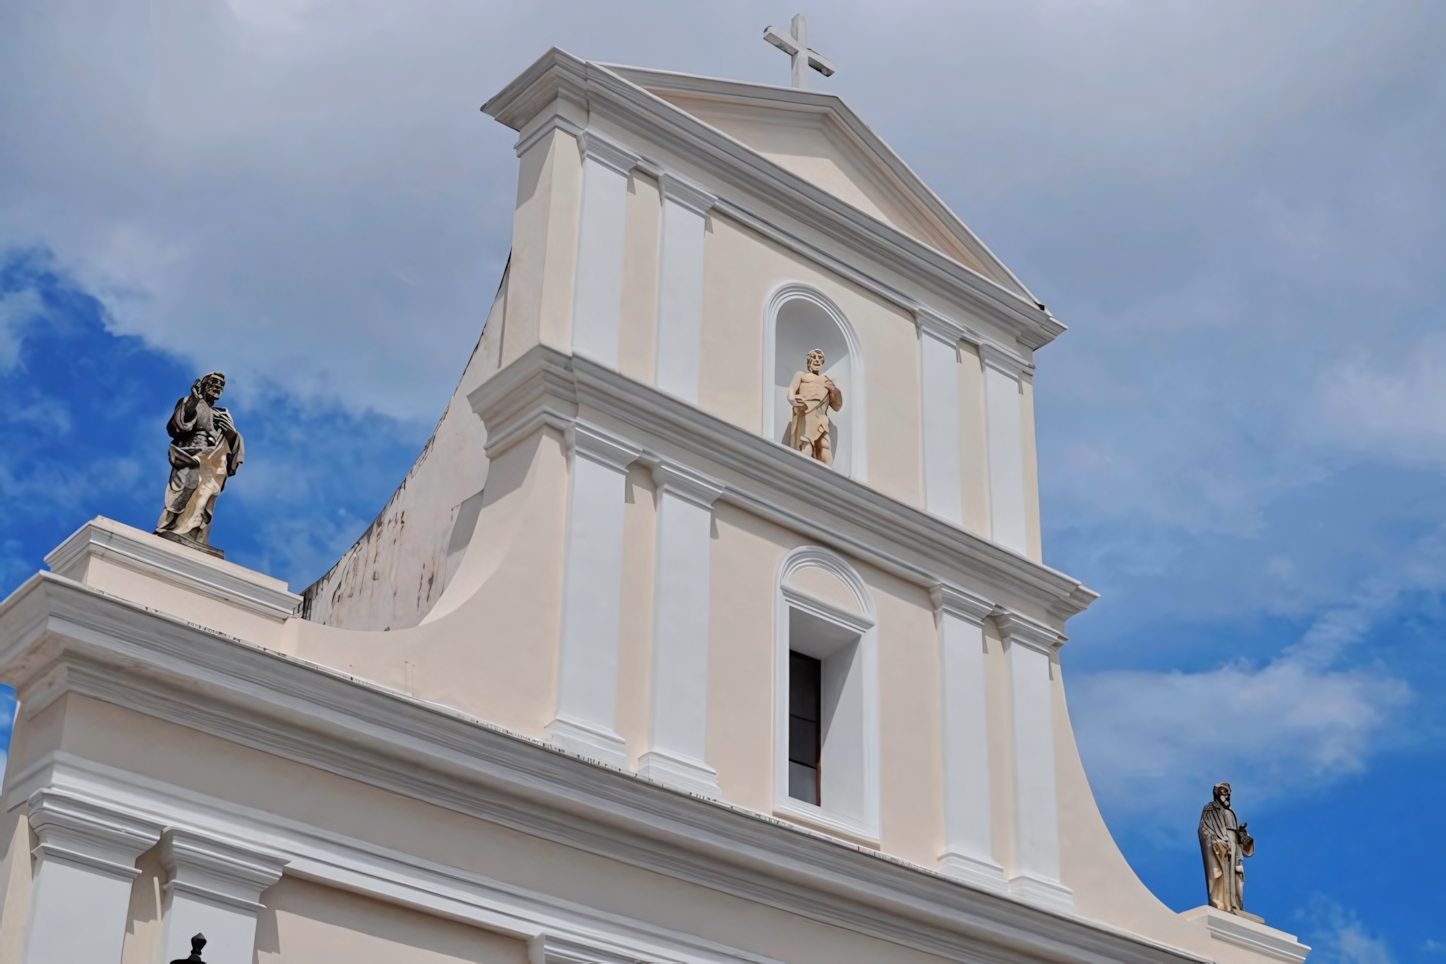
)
(818, 394)
(1224, 851)
(203, 455)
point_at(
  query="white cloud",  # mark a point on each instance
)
(1155, 741)
(1337, 936)
(305, 190)
(17, 309)
(1151, 740)
(1393, 407)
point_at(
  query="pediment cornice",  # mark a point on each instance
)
(561, 85)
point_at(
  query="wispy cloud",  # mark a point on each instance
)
(17, 308)
(1337, 936)
(1391, 407)
(1277, 727)
(82, 433)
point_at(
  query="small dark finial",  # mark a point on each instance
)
(197, 942)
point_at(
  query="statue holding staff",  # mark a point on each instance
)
(205, 451)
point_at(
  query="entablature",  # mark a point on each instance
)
(546, 387)
(58, 637)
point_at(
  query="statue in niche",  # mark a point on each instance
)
(206, 450)
(812, 394)
(1224, 845)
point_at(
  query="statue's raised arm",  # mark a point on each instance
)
(205, 451)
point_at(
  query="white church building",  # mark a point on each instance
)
(617, 676)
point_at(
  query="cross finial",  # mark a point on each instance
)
(795, 44)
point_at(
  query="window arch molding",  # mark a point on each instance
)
(845, 641)
(852, 417)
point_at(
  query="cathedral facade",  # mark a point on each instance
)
(710, 626)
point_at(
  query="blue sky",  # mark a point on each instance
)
(1239, 209)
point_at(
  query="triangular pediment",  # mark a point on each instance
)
(818, 138)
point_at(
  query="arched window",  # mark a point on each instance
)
(800, 319)
(826, 703)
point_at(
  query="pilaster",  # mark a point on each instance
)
(939, 368)
(1030, 648)
(591, 596)
(680, 631)
(213, 887)
(968, 822)
(84, 865)
(1004, 420)
(597, 296)
(680, 285)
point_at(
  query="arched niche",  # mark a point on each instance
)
(799, 319)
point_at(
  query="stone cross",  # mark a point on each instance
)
(795, 44)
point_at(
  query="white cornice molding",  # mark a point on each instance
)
(218, 870)
(557, 81)
(83, 831)
(606, 151)
(151, 556)
(766, 478)
(961, 603)
(549, 949)
(601, 446)
(686, 483)
(552, 122)
(816, 557)
(1030, 633)
(59, 637)
(1242, 932)
(824, 104)
(822, 608)
(684, 192)
(945, 329)
(1002, 359)
(925, 317)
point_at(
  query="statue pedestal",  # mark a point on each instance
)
(160, 574)
(1248, 931)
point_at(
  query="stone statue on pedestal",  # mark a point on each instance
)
(812, 394)
(206, 450)
(1224, 845)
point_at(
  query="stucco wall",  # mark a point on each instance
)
(304, 921)
(400, 566)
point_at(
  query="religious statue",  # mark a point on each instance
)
(206, 450)
(1224, 847)
(812, 394)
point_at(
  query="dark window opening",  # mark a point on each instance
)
(805, 704)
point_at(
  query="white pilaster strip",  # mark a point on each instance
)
(591, 596)
(1003, 413)
(968, 824)
(680, 286)
(680, 631)
(939, 370)
(1035, 875)
(84, 865)
(213, 887)
(597, 297)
